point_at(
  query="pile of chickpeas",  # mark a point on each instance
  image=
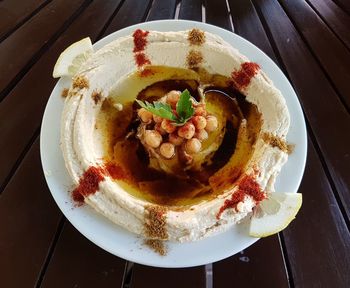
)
(166, 136)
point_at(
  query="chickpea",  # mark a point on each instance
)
(200, 110)
(199, 122)
(175, 139)
(193, 146)
(159, 128)
(153, 138)
(173, 97)
(167, 150)
(168, 126)
(186, 131)
(212, 123)
(157, 119)
(201, 135)
(145, 115)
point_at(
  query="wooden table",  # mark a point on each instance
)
(309, 40)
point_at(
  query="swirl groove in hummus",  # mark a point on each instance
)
(117, 73)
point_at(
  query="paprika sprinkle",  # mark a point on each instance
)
(140, 40)
(242, 77)
(88, 183)
(246, 186)
(140, 43)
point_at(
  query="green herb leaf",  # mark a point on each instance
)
(184, 107)
(159, 109)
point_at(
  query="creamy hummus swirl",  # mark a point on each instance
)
(108, 69)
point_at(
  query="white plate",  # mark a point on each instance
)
(126, 245)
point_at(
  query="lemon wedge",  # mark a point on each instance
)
(72, 57)
(274, 213)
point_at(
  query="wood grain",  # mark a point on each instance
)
(162, 10)
(253, 267)
(318, 241)
(336, 18)
(14, 13)
(316, 94)
(130, 13)
(329, 50)
(21, 111)
(17, 51)
(191, 10)
(216, 13)
(28, 220)
(77, 262)
(248, 25)
(344, 4)
(145, 276)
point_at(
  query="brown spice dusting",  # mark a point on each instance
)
(155, 221)
(290, 148)
(275, 141)
(196, 37)
(194, 58)
(80, 82)
(96, 96)
(157, 246)
(64, 92)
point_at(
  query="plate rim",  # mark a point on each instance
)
(205, 26)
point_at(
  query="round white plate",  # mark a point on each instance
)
(126, 245)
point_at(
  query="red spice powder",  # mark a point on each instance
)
(141, 59)
(140, 43)
(88, 183)
(147, 72)
(242, 77)
(251, 188)
(247, 186)
(140, 40)
(117, 172)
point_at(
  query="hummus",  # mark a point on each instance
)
(117, 73)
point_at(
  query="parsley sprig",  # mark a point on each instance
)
(184, 109)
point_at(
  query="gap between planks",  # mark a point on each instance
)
(306, 43)
(38, 54)
(326, 23)
(24, 20)
(51, 251)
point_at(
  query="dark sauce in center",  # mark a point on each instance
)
(123, 148)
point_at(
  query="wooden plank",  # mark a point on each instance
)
(21, 111)
(318, 241)
(131, 12)
(191, 10)
(29, 218)
(77, 262)
(248, 25)
(162, 9)
(216, 13)
(326, 114)
(145, 276)
(344, 4)
(335, 17)
(253, 267)
(17, 50)
(15, 13)
(332, 54)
